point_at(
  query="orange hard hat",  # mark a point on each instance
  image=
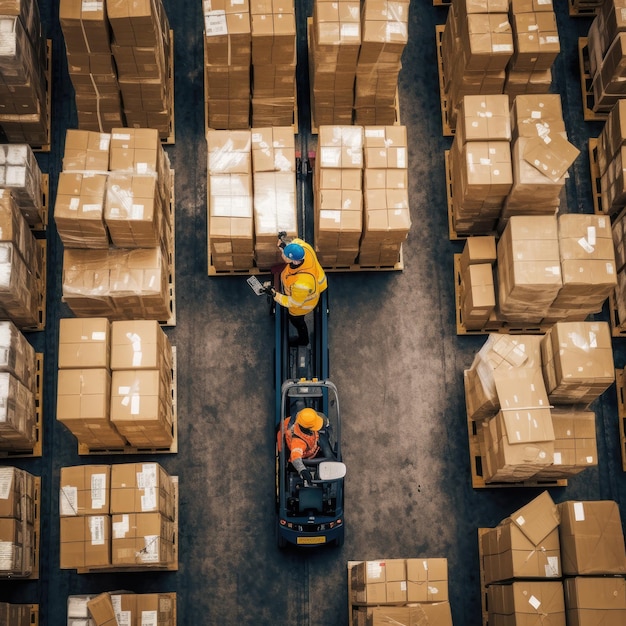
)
(309, 418)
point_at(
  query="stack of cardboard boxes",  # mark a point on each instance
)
(115, 383)
(334, 40)
(384, 35)
(229, 190)
(15, 614)
(398, 591)
(338, 194)
(607, 56)
(120, 516)
(582, 541)
(494, 48)
(227, 58)
(129, 207)
(113, 608)
(387, 218)
(477, 46)
(18, 386)
(24, 114)
(20, 175)
(274, 181)
(511, 390)
(480, 163)
(142, 50)
(92, 70)
(119, 58)
(273, 62)
(536, 45)
(17, 517)
(507, 163)
(361, 216)
(21, 286)
(611, 158)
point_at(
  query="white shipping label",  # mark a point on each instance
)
(585, 245)
(609, 268)
(215, 24)
(74, 204)
(135, 402)
(142, 168)
(552, 568)
(68, 500)
(401, 158)
(6, 482)
(96, 528)
(557, 458)
(121, 136)
(7, 550)
(136, 212)
(591, 235)
(124, 618)
(148, 475)
(589, 459)
(433, 591)
(375, 132)
(121, 528)
(403, 585)
(98, 490)
(579, 511)
(534, 602)
(148, 618)
(137, 358)
(77, 607)
(520, 521)
(148, 499)
(150, 553)
(92, 208)
(374, 570)
(91, 5)
(116, 602)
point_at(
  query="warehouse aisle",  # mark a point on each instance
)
(394, 356)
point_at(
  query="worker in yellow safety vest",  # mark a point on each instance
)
(302, 280)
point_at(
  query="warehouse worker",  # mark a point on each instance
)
(305, 439)
(303, 280)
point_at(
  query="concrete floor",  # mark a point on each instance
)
(394, 355)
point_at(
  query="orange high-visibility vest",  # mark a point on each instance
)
(300, 445)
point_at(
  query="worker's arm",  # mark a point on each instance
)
(297, 453)
(294, 301)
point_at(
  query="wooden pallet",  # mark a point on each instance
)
(446, 113)
(501, 326)
(594, 169)
(37, 448)
(483, 587)
(351, 564)
(589, 115)
(442, 3)
(34, 615)
(171, 136)
(356, 267)
(618, 328)
(171, 252)
(170, 567)
(35, 547)
(48, 77)
(621, 413)
(41, 282)
(85, 449)
(584, 8)
(476, 462)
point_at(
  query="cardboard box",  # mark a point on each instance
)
(85, 541)
(379, 582)
(84, 342)
(84, 395)
(592, 539)
(229, 152)
(412, 615)
(508, 553)
(427, 580)
(139, 344)
(17, 356)
(527, 602)
(141, 488)
(84, 490)
(142, 539)
(595, 601)
(483, 118)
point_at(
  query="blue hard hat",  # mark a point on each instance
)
(294, 252)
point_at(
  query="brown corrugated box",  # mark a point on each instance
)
(613, 135)
(85, 28)
(85, 541)
(427, 580)
(595, 601)
(17, 355)
(141, 488)
(340, 147)
(14, 229)
(592, 539)
(13, 540)
(13, 503)
(139, 344)
(527, 602)
(487, 41)
(385, 147)
(536, 40)
(142, 539)
(20, 173)
(79, 208)
(274, 205)
(102, 611)
(574, 443)
(83, 397)
(19, 289)
(84, 490)
(413, 615)
(273, 149)
(84, 342)
(229, 151)
(478, 250)
(483, 118)
(379, 582)
(17, 413)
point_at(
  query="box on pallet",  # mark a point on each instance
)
(414, 615)
(141, 488)
(85, 541)
(577, 361)
(591, 600)
(142, 539)
(84, 490)
(17, 356)
(139, 344)
(527, 602)
(17, 414)
(592, 539)
(84, 342)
